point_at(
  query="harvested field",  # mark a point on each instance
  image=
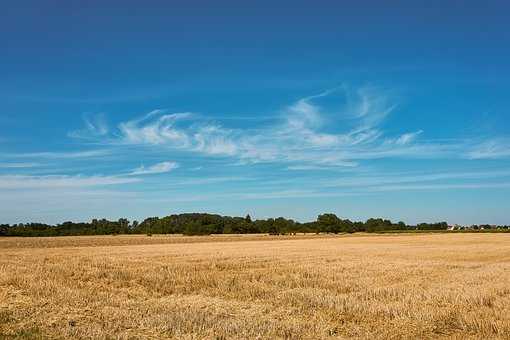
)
(349, 286)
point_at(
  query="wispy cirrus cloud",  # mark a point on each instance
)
(340, 127)
(158, 168)
(366, 181)
(449, 186)
(18, 165)
(305, 132)
(407, 138)
(318, 167)
(209, 180)
(61, 181)
(491, 149)
(155, 128)
(95, 126)
(60, 154)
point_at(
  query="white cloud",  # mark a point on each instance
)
(454, 186)
(491, 149)
(318, 167)
(413, 178)
(95, 126)
(299, 135)
(215, 140)
(407, 138)
(60, 155)
(18, 165)
(309, 132)
(60, 181)
(370, 107)
(159, 131)
(207, 180)
(257, 195)
(155, 169)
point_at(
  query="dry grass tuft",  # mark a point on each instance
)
(391, 286)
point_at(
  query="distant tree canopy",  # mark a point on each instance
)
(206, 224)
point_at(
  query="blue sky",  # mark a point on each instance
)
(289, 109)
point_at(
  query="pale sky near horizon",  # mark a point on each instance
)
(289, 108)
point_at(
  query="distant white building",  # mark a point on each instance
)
(457, 227)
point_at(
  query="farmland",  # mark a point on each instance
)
(249, 286)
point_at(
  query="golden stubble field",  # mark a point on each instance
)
(350, 286)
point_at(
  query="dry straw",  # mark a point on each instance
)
(357, 286)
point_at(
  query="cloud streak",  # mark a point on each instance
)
(95, 126)
(424, 187)
(60, 181)
(336, 128)
(413, 178)
(18, 165)
(301, 133)
(159, 168)
(60, 155)
(491, 149)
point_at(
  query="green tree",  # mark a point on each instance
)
(329, 223)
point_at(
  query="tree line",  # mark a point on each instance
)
(207, 224)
